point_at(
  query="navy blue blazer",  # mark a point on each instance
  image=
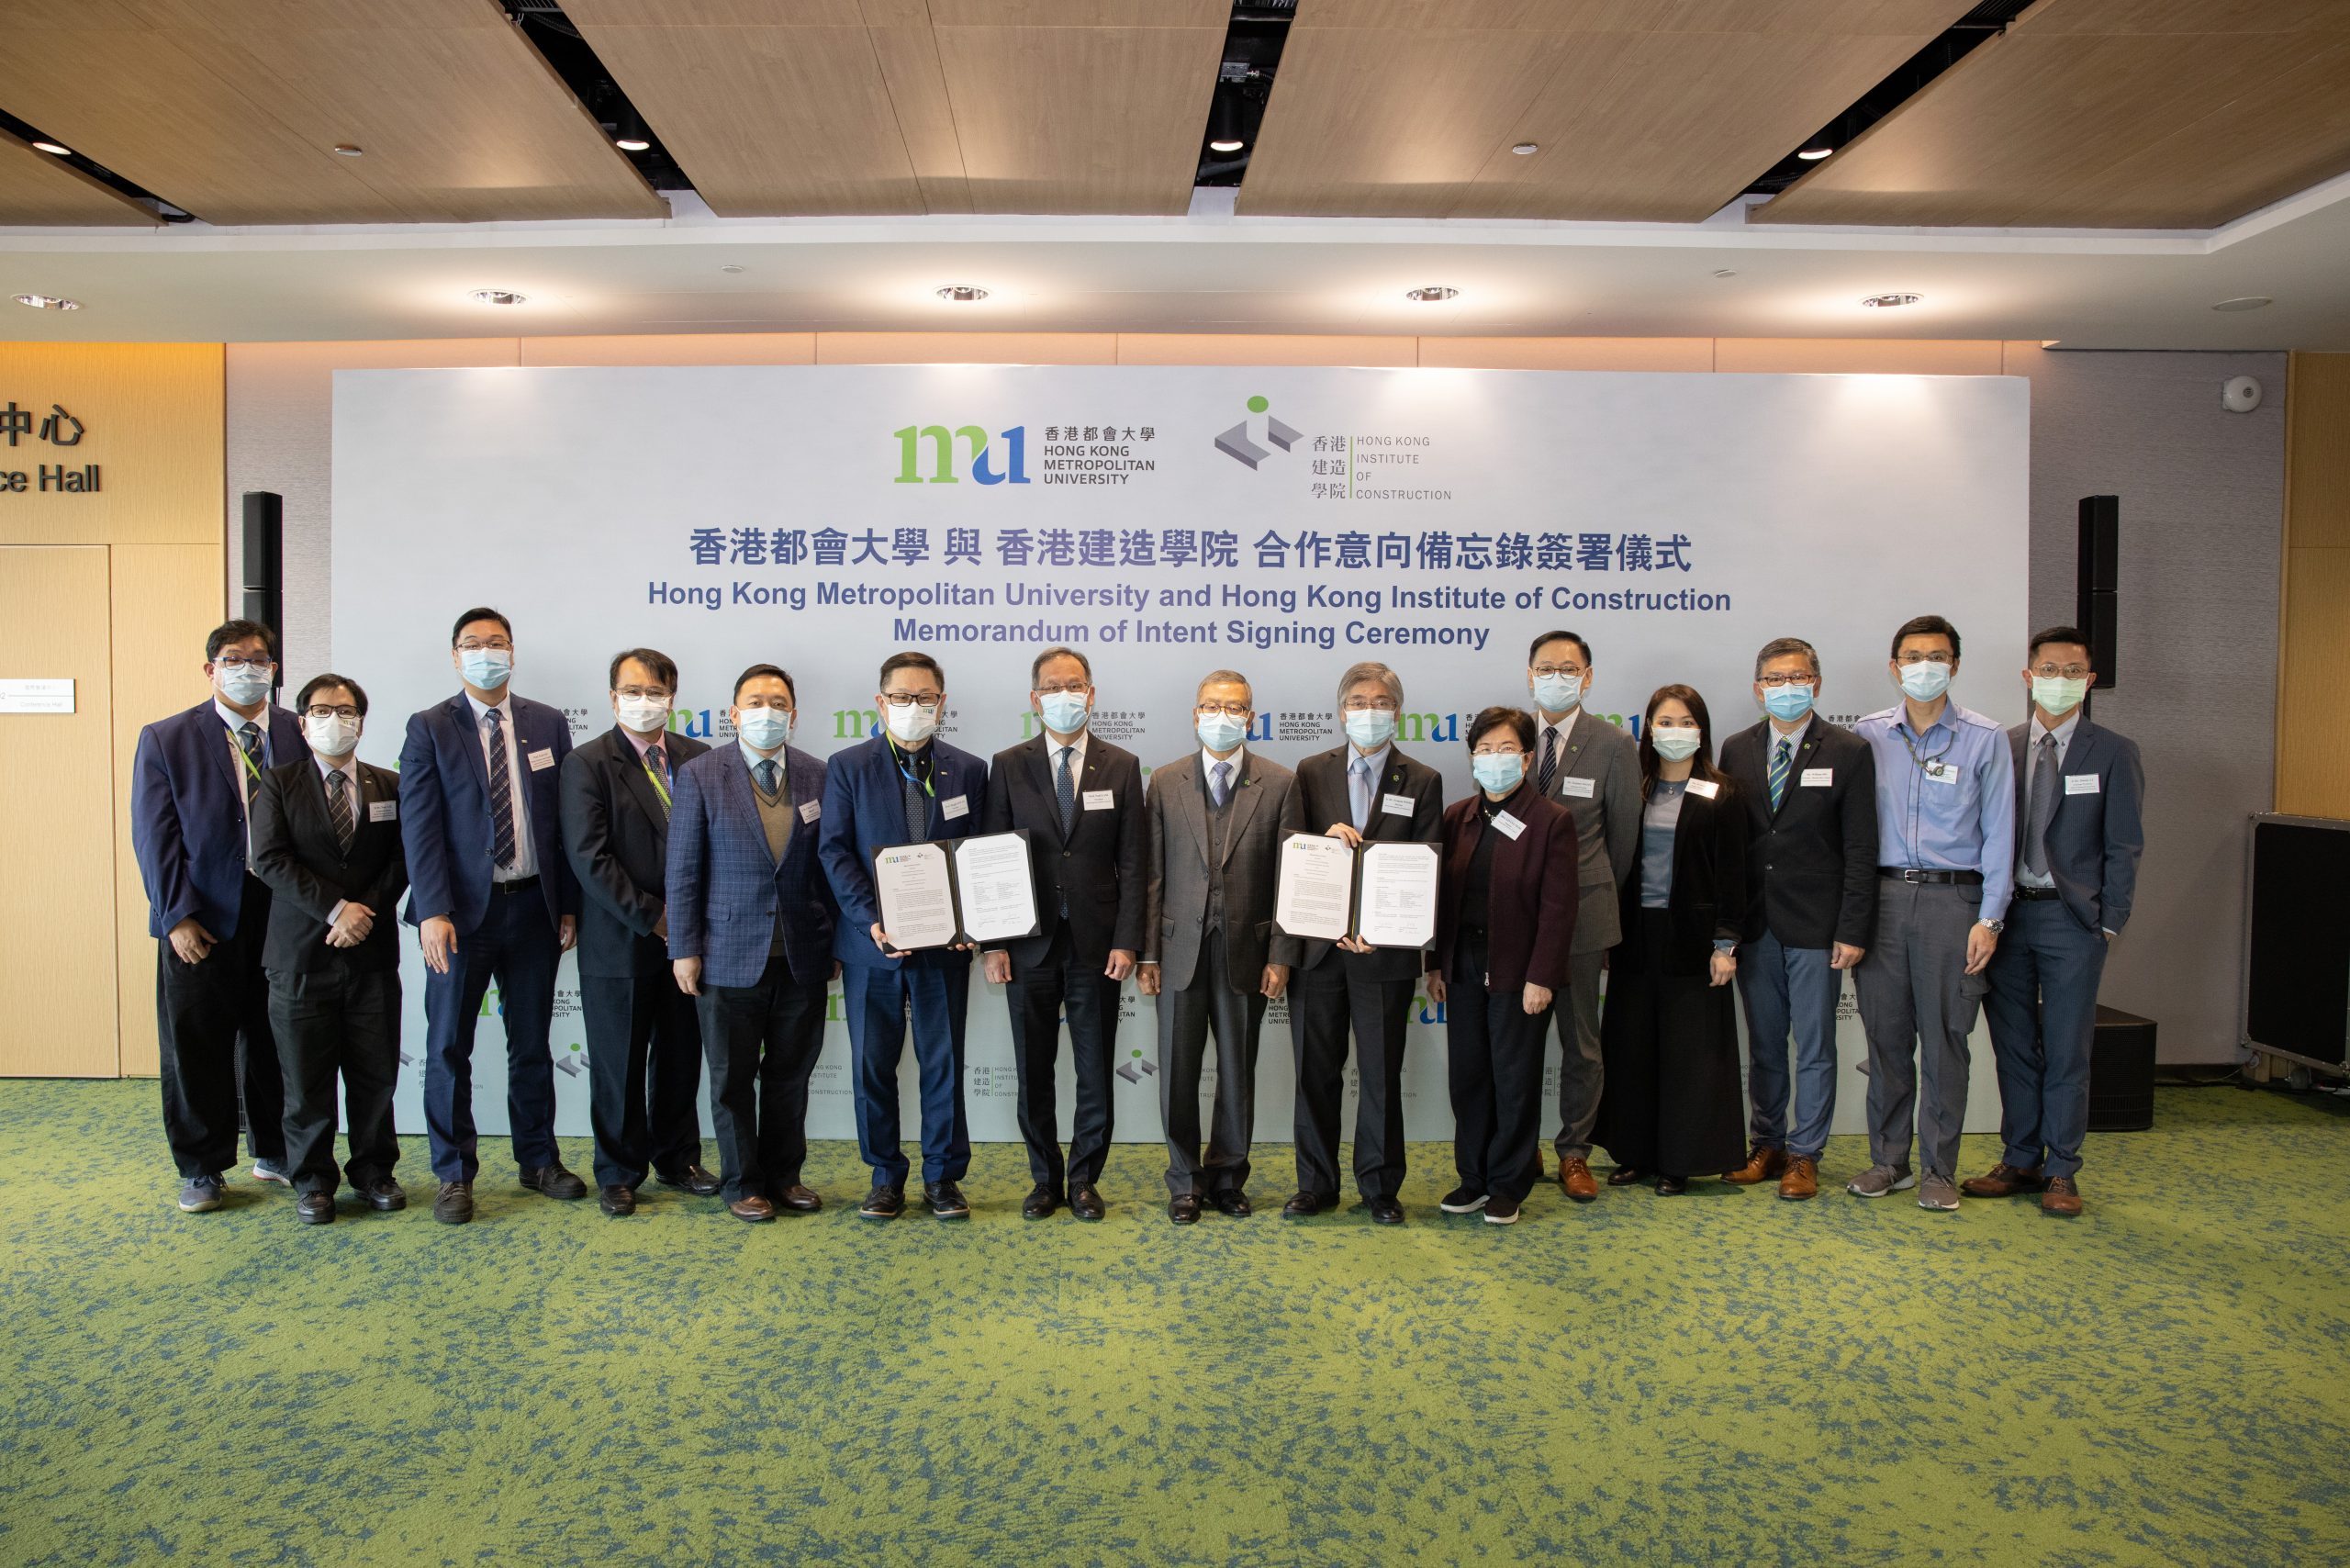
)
(725, 888)
(864, 808)
(2097, 835)
(444, 810)
(187, 816)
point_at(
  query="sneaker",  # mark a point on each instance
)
(272, 1171)
(882, 1203)
(1462, 1200)
(1940, 1192)
(199, 1194)
(1501, 1211)
(945, 1199)
(1879, 1180)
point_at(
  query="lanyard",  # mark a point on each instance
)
(244, 757)
(1922, 762)
(654, 773)
(908, 773)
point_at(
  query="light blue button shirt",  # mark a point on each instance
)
(1967, 824)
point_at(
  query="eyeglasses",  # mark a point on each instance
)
(1368, 705)
(1914, 657)
(1234, 710)
(1568, 670)
(1490, 750)
(493, 644)
(912, 699)
(641, 693)
(321, 711)
(2064, 672)
(1775, 681)
(233, 661)
(1072, 689)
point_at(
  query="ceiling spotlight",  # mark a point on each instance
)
(962, 294)
(1229, 144)
(49, 302)
(1813, 154)
(1227, 119)
(732, 267)
(1889, 300)
(1433, 294)
(1724, 271)
(348, 149)
(2248, 302)
(632, 144)
(499, 296)
(1527, 148)
(52, 148)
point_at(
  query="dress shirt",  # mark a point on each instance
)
(2063, 734)
(1377, 765)
(349, 769)
(1967, 825)
(526, 854)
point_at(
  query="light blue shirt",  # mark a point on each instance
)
(1363, 784)
(1946, 799)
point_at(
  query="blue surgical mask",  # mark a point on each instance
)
(764, 728)
(1557, 693)
(1369, 728)
(2056, 695)
(1925, 682)
(244, 687)
(1789, 702)
(1065, 712)
(1498, 771)
(486, 670)
(1220, 731)
(1674, 745)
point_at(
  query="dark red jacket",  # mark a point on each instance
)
(1531, 921)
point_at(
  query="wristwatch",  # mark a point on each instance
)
(1993, 926)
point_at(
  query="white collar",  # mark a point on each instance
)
(505, 706)
(348, 767)
(236, 723)
(2063, 732)
(1237, 761)
(1075, 742)
(1793, 737)
(1377, 760)
(1565, 724)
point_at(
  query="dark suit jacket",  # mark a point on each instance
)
(616, 835)
(725, 891)
(2095, 838)
(1811, 864)
(865, 809)
(1320, 798)
(1708, 902)
(444, 810)
(296, 853)
(1097, 870)
(1176, 869)
(1536, 889)
(187, 819)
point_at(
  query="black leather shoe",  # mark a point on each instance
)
(692, 1178)
(1303, 1205)
(1041, 1203)
(1232, 1201)
(1085, 1203)
(945, 1199)
(799, 1199)
(1672, 1186)
(315, 1208)
(384, 1194)
(1184, 1209)
(1387, 1211)
(1625, 1175)
(554, 1181)
(455, 1204)
(617, 1202)
(882, 1203)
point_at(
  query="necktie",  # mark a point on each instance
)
(766, 771)
(1065, 789)
(917, 806)
(1359, 781)
(1549, 774)
(2043, 807)
(248, 740)
(658, 764)
(339, 808)
(1220, 783)
(501, 793)
(1779, 773)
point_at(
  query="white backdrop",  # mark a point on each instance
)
(1284, 522)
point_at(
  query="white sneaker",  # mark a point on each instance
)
(272, 1174)
(1879, 1180)
(1462, 1200)
(1501, 1211)
(1938, 1193)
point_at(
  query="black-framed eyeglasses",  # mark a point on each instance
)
(912, 699)
(321, 711)
(2061, 672)
(1775, 681)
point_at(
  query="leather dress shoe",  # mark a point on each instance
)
(455, 1204)
(1305, 1206)
(554, 1181)
(2002, 1181)
(1764, 1164)
(754, 1208)
(1672, 1186)
(1232, 1201)
(945, 1199)
(1575, 1180)
(315, 1208)
(883, 1203)
(1085, 1201)
(1625, 1175)
(1801, 1179)
(2060, 1197)
(1040, 1202)
(1387, 1211)
(799, 1199)
(384, 1194)
(1183, 1208)
(692, 1178)
(617, 1202)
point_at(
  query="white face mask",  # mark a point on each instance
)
(333, 735)
(643, 714)
(913, 723)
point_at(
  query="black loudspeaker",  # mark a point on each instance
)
(2121, 1073)
(264, 574)
(2097, 584)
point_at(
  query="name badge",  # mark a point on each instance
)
(957, 806)
(1398, 805)
(2080, 784)
(1100, 801)
(542, 759)
(1508, 826)
(1818, 778)
(1581, 789)
(1941, 772)
(1703, 789)
(810, 809)
(383, 811)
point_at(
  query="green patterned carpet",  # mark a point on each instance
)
(1721, 1379)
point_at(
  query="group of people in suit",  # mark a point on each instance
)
(715, 894)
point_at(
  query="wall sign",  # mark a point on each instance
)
(36, 696)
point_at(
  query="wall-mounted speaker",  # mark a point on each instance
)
(2097, 583)
(263, 585)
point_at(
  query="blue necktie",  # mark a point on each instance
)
(1065, 789)
(767, 776)
(1358, 773)
(1219, 783)
(1779, 774)
(501, 793)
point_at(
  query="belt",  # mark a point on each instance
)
(1930, 876)
(2036, 894)
(520, 885)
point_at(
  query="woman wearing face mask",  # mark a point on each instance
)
(1506, 920)
(1673, 1106)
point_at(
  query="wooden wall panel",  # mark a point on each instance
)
(39, 187)
(152, 422)
(2313, 744)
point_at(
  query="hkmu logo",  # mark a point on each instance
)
(942, 454)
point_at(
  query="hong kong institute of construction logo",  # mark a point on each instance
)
(1236, 442)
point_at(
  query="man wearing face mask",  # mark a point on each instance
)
(1945, 814)
(494, 899)
(1810, 788)
(1080, 798)
(193, 781)
(2078, 791)
(751, 937)
(644, 1043)
(326, 840)
(1365, 789)
(1211, 954)
(903, 786)
(1591, 769)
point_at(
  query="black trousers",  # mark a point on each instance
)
(1036, 998)
(761, 1041)
(1494, 1069)
(1342, 991)
(1674, 1104)
(333, 1021)
(643, 1076)
(212, 1021)
(1186, 1018)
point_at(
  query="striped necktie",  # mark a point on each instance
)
(339, 808)
(1779, 773)
(501, 793)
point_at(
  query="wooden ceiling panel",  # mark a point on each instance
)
(2135, 113)
(40, 188)
(1643, 110)
(231, 109)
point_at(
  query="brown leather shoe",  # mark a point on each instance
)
(799, 1199)
(1762, 1165)
(752, 1208)
(2002, 1181)
(1575, 1181)
(1800, 1180)
(2060, 1197)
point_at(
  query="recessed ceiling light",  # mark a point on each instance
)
(1814, 155)
(49, 302)
(1527, 148)
(2248, 302)
(348, 149)
(962, 294)
(1433, 294)
(1724, 271)
(732, 267)
(1227, 144)
(632, 144)
(52, 148)
(1889, 300)
(499, 296)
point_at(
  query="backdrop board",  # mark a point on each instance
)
(1282, 523)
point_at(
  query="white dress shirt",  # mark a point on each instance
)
(349, 769)
(526, 856)
(1561, 729)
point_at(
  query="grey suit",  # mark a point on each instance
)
(1209, 878)
(1605, 761)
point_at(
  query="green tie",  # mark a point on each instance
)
(1779, 774)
